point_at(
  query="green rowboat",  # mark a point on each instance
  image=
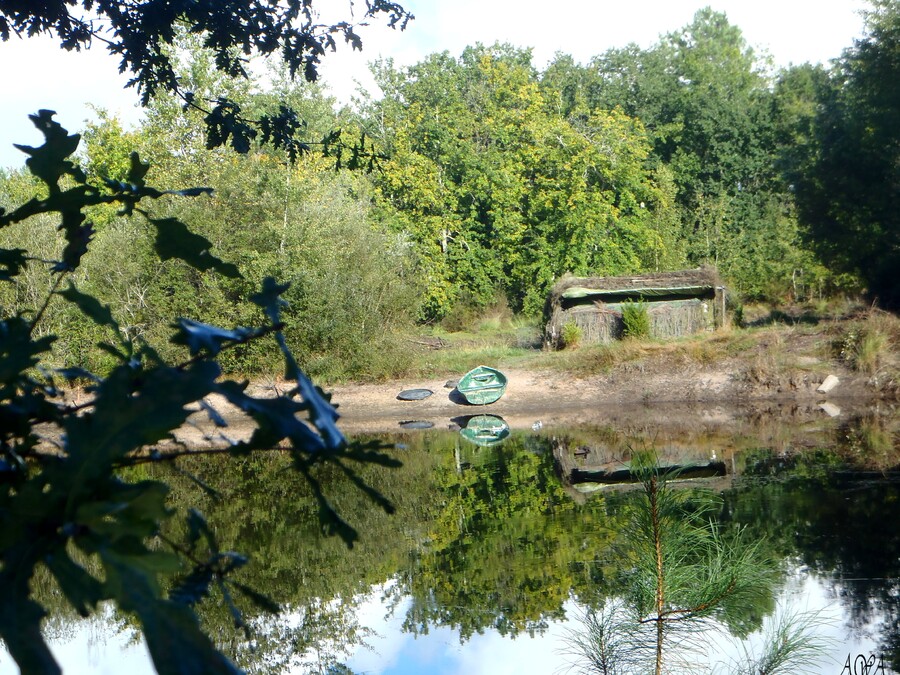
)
(485, 430)
(482, 385)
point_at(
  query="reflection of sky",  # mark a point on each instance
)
(439, 652)
(396, 653)
(94, 647)
(808, 595)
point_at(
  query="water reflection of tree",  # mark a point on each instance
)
(263, 510)
(839, 527)
(507, 548)
(681, 576)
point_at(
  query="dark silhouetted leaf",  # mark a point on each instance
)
(91, 307)
(194, 587)
(197, 527)
(18, 352)
(175, 240)
(203, 485)
(370, 492)
(77, 239)
(263, 602)
(20, 625)
(136, 409)
(371, 455)
(276, 419)
(198, 336)
(269, 298)
(48, 162)
(176, 643)
(81, 589)
(137, 170)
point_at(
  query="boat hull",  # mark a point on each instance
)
(482, 385)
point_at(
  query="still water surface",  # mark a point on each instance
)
(496, 553)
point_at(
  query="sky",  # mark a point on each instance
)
(36, 74)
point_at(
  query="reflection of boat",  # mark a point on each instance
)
(482, 385)
(416, 424)
(485, 430)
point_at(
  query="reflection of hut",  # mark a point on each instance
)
(604, 465)
(677, 303)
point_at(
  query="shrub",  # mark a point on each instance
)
(868, 346)
(635, 320)
(571, 335)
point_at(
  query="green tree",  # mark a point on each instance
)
(64, 505)
(846, 183)
(706, 102)
(501, 192)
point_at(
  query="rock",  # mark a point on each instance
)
(451, 384)
(830, 409)
(828, 384)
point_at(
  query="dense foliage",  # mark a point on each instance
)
(493, 179)
(501, 193)
(298, 221)
(847, 183)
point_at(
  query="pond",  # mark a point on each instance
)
(507, 552)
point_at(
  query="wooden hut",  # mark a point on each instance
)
(677, 303)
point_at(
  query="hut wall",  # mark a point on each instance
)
(678, 303)
(676, 318)
(601, 323)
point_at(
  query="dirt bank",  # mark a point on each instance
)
(660, 388)
(635, 391)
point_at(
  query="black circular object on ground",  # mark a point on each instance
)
(416, 424)
(414, 394)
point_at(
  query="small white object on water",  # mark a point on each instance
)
(828, 384)
(537, 426)
(830, 409)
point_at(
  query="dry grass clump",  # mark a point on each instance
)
(869, 345)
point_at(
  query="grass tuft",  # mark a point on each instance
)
(869, 344)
